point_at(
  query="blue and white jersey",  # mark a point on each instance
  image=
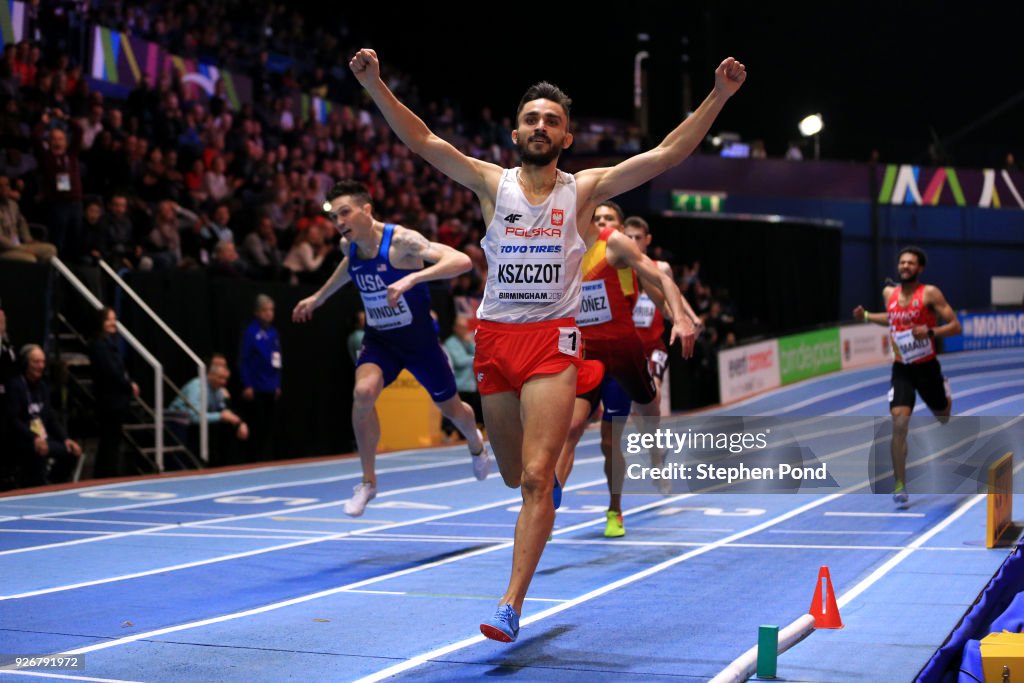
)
(407, 322)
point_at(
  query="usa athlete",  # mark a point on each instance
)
(387, 263)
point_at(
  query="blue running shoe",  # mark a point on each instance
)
(556, 493)
(900, 496)
(503, 626)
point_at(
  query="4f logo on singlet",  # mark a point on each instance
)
(512, 217)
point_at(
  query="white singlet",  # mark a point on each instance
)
(534, 254)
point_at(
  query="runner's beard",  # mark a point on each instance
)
(537, 158)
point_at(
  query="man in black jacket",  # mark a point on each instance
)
(8, 369)
(42, 452)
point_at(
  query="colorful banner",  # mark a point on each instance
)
(706, 176)
(809, 354)
(987, 331)
(930, 187)
(13, 21)
(124, 61)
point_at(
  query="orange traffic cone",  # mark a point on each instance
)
(823, 605)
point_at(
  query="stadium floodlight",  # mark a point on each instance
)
(811, 126)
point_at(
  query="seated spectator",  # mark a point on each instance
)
(42, 453)
(8, 362)
(8, 369)
(226, 427)
(260, 251)
(306, 257)
(16, 243)
(215, 182)
(226, 261)
(121, 247)
(194, 182)
(93, 234)
(165, 237)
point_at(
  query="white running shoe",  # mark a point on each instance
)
(361, 495)
(481, 460)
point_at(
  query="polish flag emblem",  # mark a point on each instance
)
(557, 216)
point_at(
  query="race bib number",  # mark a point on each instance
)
(911, 349)
(275, 360)
(643, 312)
(594, 306)
(380, 316)
(569, 341)
(530, 272)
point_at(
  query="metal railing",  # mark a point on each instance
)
(158, 368)
(201, 410)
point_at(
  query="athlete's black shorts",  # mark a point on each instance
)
(923, 378)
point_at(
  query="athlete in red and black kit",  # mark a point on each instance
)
(613, 266)
(912, 312)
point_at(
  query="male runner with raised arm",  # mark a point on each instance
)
(528, 346)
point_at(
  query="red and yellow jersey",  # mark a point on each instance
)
(903, 319)
(609, 294)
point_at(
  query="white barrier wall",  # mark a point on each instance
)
(864, 344)
(748, 370)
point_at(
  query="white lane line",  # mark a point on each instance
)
(874, 514)
(274, 530)
(896, 559)
(276, 537)
(413, 662)
(168, 512)
(110, 522)
(717, 530)
(286, 546)
(667, 544)
(840, 532)
(884, 381)
(952, 363)
(436, 595)
(226, 518)
(957, 394)
(358, 584)
(987, 406)
(62, 677)
(334, 461)
(68, 532)
(235, 492)
(462, 644)
(471, 524)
